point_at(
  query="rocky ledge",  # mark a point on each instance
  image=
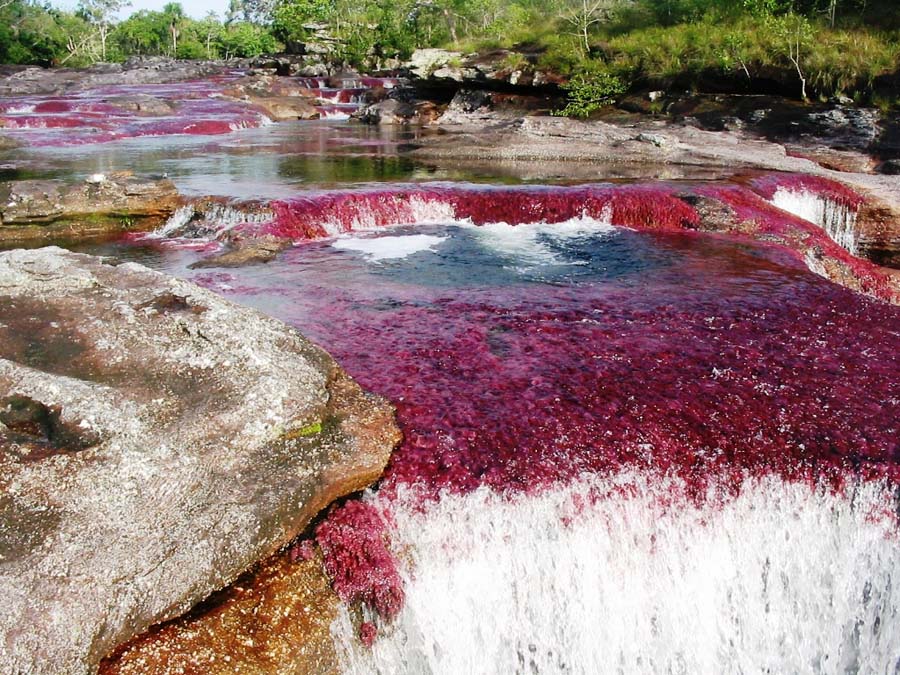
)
(549, 148)
(156, 441)
(45, 209)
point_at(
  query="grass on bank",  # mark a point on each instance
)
(741, 53)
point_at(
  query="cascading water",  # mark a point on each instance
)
(629, 575)
(208, 221)
(646, 206)
(626, 449)
(818, 201)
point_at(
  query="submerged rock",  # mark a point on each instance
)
(156, 442)
(143, 104)
(38, 209)
(246, 252)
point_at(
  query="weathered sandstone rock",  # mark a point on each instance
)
(40, 209)
(276, 621)
(36, 209)
(283, 108)
(156, 442)
(246, 252)
(143, 104)
(387, 112)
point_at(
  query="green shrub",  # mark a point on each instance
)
(587, 92)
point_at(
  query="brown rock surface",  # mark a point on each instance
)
(275, 621)
(41, 209)
(283, 108)
(156, 442)
(143, 104)
(246, 252)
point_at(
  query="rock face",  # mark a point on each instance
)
(284, 108)
(35, 209)
(388, 112)
(274, 622)
(155, 442)
(439, 73)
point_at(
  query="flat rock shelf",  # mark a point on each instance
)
(156, 441)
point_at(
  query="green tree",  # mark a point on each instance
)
(291, 18)
(583, 15)
(792, 36)
(143, 33)
(33, 33)
(243, 39)
(734, 52)
(590, 91)
(101, 14)
(175, 18)
(209, 30)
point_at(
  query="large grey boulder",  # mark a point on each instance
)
(155, 442)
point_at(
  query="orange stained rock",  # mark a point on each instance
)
(273, 620)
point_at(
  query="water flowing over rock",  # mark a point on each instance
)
(156, 441)
(817, 218)
(137, 70)
(607, 431)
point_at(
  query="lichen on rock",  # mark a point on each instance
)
(174, 455)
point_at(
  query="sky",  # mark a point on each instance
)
(193, 8)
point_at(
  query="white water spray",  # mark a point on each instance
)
(527, 243)
(418, 211)
(377, 249)
(783, 578)
(209, 221)
(838, 220)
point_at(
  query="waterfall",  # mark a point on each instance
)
(324, 214)
(836, 218)
(208, 221)
(630, 576)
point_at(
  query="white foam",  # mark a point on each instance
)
(243, 125)
(20, 109)
(388, 248)
(527, 243)
(334, 115)
(176, 222)
(783, 578)
(417, 211)
(837, 220)
(212, 221)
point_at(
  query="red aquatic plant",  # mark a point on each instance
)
(354, 543)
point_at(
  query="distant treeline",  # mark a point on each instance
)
(826, 47)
